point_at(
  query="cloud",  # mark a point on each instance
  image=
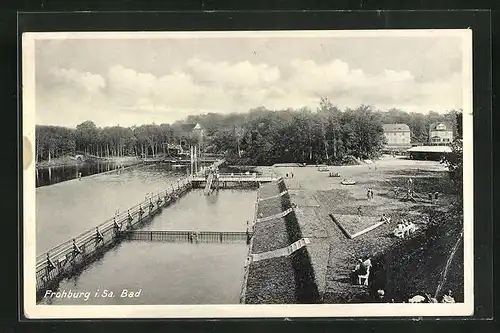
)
(240, 74)
(124, 93)
(91, 83)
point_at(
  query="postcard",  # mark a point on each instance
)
(247, 174)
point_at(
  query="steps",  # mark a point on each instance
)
(208, 186)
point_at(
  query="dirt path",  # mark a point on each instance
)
(308, 184)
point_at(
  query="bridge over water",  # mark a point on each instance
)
(73, 255)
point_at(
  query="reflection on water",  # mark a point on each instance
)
(159, 273)
(53, 175)
(164, 273)
(66, 209)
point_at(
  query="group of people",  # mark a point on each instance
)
(404, 229)
(433, 197)
(447, 298)
(193, 237)
(291, 175)
(369, 193)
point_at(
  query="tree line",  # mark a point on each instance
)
(259, 137)
(115, 141)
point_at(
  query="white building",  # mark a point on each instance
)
(440, 134)
(398, 137)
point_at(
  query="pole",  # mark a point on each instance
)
(195, 160)
(191, 159)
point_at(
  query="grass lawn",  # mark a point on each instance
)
(268, 190)
(271, 281)
(354, 223)
(270, 235)
(422, 260)
(269, 207)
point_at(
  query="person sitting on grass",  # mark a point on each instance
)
(358, 265)
(409, 228)
(448, 298)
(430, 299)
(381, 296)
(399, 231)
(385, 219)
(396, 191)
(417, 299)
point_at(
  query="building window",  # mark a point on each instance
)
(440, 127)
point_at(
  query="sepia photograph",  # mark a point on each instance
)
(247, 174)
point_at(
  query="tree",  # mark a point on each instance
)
(86, 137)
(454, 161)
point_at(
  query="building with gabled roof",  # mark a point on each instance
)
(440, 134)
(398, 137)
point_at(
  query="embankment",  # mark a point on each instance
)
(429, 263)
(72, 161)
(286, 279)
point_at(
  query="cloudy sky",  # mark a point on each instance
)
(139, 81)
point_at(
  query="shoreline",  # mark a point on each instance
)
(96, 174)
(67, 161)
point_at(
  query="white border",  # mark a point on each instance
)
(34, 311)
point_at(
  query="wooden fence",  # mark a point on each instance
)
(187, 236)
(70, 256)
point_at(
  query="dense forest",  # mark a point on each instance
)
(258, 137)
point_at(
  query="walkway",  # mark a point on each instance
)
(187, 236)
(76, 253)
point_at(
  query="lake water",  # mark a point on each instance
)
(53, 175)
(165, 273)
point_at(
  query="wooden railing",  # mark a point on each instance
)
(59, 261)
(187, 236)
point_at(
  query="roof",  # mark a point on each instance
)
(433, 126)
(191, 127)
(395, 128)
(430, 149)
